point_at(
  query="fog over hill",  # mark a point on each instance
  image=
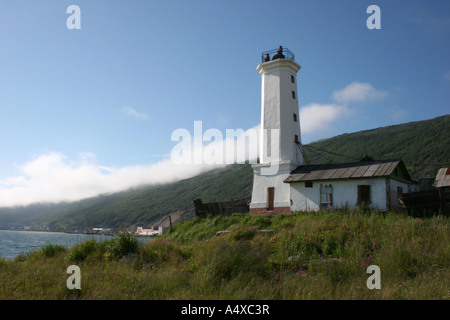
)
(422, 145)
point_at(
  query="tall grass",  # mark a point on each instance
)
(299, 256)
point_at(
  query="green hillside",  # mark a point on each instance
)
(422, 145)
(145, 205)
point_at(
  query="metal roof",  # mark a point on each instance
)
(334, 171)
(442, 178)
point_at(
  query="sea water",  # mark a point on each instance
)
(13, 243)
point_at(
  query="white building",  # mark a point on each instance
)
(101, 230)
(283, 183)
(154, 231)
(375, 184)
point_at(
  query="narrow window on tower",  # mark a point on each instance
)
(293, 94)
(292, 79)
(295, 117)
(270, 197)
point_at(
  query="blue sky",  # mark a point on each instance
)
(92, 110)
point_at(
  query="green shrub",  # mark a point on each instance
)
(121, 246)
(261, 222)
(230, 260)
(158, 251)
(81, 251)
(50, 250)
(329, 245)
(23, 256)
(243, 233)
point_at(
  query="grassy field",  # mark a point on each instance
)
(300, 256)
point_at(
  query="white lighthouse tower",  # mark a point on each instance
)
(280, 141)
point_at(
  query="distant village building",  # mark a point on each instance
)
(153, 231)
(101, 230)
(298, 186)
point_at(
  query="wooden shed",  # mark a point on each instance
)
(442, 184)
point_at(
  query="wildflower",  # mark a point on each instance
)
(164, 240)
(277, 277)
(359, 214)
(369, 259)
(300, 271)
(399, 243)
(374, 244)
(363, 265)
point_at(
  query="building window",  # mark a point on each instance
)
(326, 195)
(364, 194)
(293, 94)
(308, 184)
(399, 190)
(295, 117)
(292, 79)
(296, 139)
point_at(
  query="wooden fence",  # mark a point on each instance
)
(223, 208)
(421, 203)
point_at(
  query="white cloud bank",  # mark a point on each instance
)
(53, 177)
(358, 92)
(317, 117)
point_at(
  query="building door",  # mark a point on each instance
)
(270, 197)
